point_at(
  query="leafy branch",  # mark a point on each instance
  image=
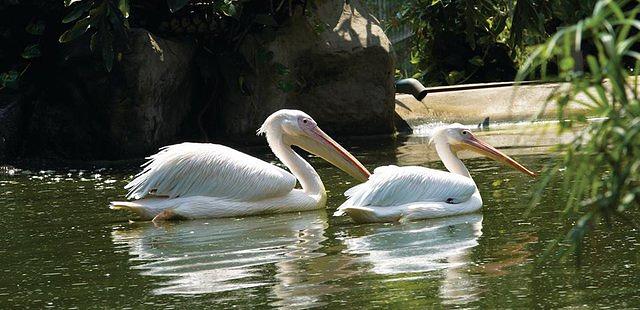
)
(601, 166)
(106, 19)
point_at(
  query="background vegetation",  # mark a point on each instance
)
(468, 41)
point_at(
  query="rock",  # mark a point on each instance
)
(335, 64)
(155, 96)
(141, 106)
(61, 127)
(11, 123)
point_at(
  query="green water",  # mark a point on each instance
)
(62, 247)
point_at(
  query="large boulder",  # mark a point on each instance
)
(140, 106)
(334, 62)
(157, 90)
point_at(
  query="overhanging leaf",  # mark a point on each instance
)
(124, 8)
(477, 61)
(35, 28)
(281, 69)
(77, 30)
(76, 13)
(285, 86)
(31, 51)
(107, 51)
(9, 79)
(229, 9)
(70, 2)
(93, 43)
(263, 55)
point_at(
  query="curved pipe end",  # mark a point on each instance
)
(413, 87)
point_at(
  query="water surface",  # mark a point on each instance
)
(62, 246)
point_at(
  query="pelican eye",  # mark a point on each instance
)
(305, 120)
(465, 132)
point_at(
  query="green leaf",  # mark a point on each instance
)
(229, 9)
(76, 31)
(285, 86)
(415, 58)
(35, 28)
(453, 77)
(281, 69)
(477, 61)
(77, 12)
(567, 63)
(31, 51)
(124, 8)
(107, 51)
(70, 2)
(93, 43)
(118, 22)
(9, 79)
(241, 84)
(263, 55)
(175, 5)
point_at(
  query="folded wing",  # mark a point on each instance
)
(203, 169)
(394, 186)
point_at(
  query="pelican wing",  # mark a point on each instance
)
(393, 186)
(203, 169)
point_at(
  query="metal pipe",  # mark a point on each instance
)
(415, 88)
(412, 87)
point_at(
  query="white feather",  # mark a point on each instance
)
(393, 185)
(197, 207)
(203, 169)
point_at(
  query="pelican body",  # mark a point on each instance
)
(202, 180)
(395, 193)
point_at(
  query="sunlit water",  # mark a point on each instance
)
(62, 247)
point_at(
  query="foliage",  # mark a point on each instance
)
(602, 164)
(107, 17)
(102, 26)
(108, 21)
(15, 60)
(458, 41)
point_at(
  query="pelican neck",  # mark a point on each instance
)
(300, 168)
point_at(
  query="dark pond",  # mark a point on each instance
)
(62, 247)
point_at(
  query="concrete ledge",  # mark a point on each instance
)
(501, 104)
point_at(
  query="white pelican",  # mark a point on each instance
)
(395, 193)
(202, 180)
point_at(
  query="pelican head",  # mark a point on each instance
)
(294, 127)
(460, 137)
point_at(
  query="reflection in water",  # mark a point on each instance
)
(218, 255)
(513, 139)
(438, 247)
